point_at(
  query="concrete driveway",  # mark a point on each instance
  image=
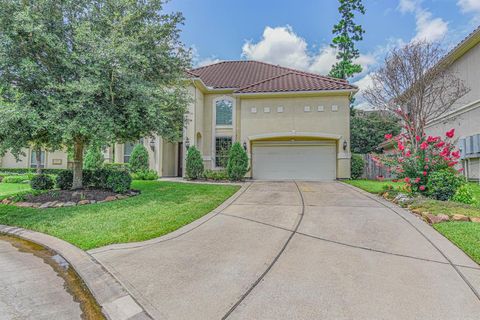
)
(300, 250)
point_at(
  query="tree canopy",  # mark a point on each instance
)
(347, 32)
(368, 129)
(110, 70)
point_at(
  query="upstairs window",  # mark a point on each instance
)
(223, 112)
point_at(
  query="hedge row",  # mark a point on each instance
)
(31, 170)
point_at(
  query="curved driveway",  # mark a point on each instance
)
(300, 250)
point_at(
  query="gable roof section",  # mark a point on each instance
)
(463, 47)
(255, 77)
(295, 81)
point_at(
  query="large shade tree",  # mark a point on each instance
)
(119, 66)
(29, 47)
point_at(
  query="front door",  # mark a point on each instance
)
(180, 160)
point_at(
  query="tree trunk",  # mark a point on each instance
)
(78, 165)
(38, 158)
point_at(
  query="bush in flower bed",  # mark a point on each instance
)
(42, 182)
(110, 179)
(464, 194)
(416, 158)
(443, 184)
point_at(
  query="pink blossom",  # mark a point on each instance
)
(452, 163)
(408, 154)
(417, 180)
(417, 138)
(456, 154)
(424, 173)
(407, 179)
(424, 145)
(422, 188)
(450, 133)
(401, 147)
(388, 136)
(440, 144)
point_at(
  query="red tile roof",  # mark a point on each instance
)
(256, 77)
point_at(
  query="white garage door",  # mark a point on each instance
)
(294, 160)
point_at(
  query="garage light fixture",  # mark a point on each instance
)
(244, 146)
(187, 143)
(345, 144)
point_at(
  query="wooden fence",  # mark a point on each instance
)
(372, 171)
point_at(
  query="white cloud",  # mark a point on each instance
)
(362, 85)
(427, 27)
(281, 45)
(207, 61)
(469, 6)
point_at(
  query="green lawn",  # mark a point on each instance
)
(162, 207)
(8, 189)
(466, 235)
(372, 186)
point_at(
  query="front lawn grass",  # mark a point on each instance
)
(9, 189)
(373, 186)
(162, 207)
(466, 235)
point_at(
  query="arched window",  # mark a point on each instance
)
(223, 112)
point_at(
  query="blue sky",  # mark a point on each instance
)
(297, 33)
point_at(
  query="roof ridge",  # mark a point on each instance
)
(263, 81)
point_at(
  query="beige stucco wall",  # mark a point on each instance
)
(294, 120)
(330, 125)
(53, 160)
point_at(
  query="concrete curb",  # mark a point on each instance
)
(179, 232)
(116, 302)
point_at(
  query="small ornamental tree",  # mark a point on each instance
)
(415, 162)
(194, 164)
(237, 165)
(94, 158)
(139, 159)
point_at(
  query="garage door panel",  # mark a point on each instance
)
(295, 161)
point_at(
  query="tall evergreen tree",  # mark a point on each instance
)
(347, 32)
(115, 71)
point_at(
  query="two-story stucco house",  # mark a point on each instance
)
(464, 116)
(293, 124)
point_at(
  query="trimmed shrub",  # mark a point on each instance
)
(113, 180)
(145, 175)
(139, 158)
(464, 194)
(443, 184)
(93, 158)
(237, 165)
(216, 175)
(357, 166)
(17, 179)
(64, 180)
(117, 166)
(119, 181)
(42, 182)
(30, 171)
(194, 164)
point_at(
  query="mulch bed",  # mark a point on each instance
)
(68, 195)
(69, 198)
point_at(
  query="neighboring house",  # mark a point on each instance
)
(293, 124)
(464, 116)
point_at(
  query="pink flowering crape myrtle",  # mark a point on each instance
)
(415, 158)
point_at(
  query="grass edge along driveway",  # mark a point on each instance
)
(161, 208)
(465, 235)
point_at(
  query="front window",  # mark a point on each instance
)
(224, 112)
(128, 148)
(222, 147)
(33, 159)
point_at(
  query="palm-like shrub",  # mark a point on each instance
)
(139, 159)
(237, 165)
(194, 164)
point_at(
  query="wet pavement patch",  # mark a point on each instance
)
(73, 284)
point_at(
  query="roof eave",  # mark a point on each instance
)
(348, 92)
